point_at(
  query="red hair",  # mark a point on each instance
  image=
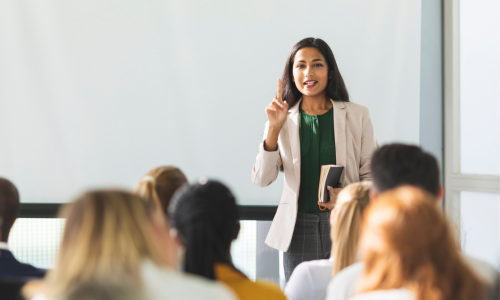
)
(407, 243)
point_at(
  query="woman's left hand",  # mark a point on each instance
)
(334, 192)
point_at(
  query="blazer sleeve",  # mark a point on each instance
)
(267, 164)
(369, 144)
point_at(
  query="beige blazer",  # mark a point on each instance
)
(354, 143)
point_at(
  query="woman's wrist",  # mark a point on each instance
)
(271, 141)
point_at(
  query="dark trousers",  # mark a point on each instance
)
(310, 240)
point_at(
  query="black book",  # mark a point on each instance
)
(330, 176)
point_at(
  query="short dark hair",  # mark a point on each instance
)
(398, 164)
(9, 201)
(335, 89)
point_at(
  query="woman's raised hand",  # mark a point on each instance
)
(277, 111)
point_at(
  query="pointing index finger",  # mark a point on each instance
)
(279, 91)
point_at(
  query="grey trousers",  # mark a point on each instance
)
(310, 240)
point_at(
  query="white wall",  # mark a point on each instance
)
(95, 93)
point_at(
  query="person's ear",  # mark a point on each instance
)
(440, 196)
(237, 231)
(373, 194)
(330, 74)
(174, 234)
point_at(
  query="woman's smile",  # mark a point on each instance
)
(310, 83)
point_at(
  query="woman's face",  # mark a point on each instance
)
(310, 71)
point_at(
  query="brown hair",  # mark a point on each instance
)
(159, 184)
(407, 243)
(106, 238)
(9, 201)
(347, 230)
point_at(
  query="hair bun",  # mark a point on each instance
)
(150, 179)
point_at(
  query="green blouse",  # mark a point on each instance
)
(317, 148)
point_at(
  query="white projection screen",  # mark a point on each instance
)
(95, 93)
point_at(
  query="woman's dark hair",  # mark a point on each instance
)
(335, 90)
(206, 217)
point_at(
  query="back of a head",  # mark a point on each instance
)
(107, 236)
(9, 202)
(205, 216)
(346, 232)
(159, 185)
(407, 243)
(395, 165)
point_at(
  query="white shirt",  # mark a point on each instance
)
(395, 294)
(165, 284)
(344, 284)
(4, 246)
(309, 280)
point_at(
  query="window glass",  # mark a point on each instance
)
(480, 86)
(480, 226)
(37, 242)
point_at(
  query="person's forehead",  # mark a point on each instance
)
(308, 54)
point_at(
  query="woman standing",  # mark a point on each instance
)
(310, 123)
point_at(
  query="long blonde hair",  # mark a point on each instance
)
(106, 238)
(347, 230)
(159, 184)
(407, 243)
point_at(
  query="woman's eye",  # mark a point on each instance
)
(300, 66)
(318, 65)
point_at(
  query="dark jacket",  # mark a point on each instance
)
(11, 267)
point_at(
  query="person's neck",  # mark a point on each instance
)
(316, 105)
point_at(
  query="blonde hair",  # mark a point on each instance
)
(159, 185)
(347, 230)
(407, 243)
(106, 238)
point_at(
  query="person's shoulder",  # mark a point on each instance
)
(313, 264)
(354, 270)
(394, 294)
(268, 290)
(10, 266)
(483, 269)
(343, 285)
(356, 108)
(162, 281)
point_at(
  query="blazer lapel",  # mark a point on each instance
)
(293, 131)
(339, 127)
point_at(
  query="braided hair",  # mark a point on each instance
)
(206, 218)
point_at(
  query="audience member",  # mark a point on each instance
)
(310, 279)
(114, 237)
(157, 187)
(409, 252)
(205, 217)
(393, 166)
(9, 265)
